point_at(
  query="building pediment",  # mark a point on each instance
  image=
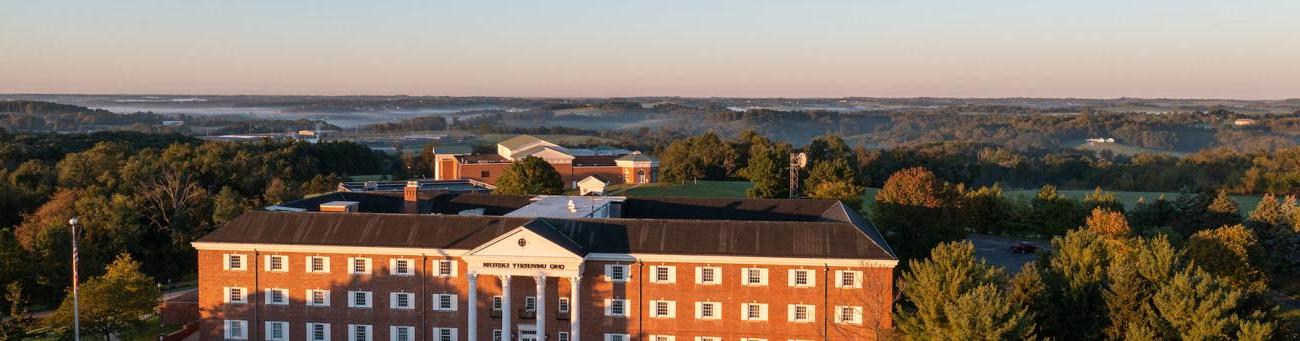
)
(534, 249)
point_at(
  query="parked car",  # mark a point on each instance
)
(1023, 248)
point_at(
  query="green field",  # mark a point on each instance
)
(736, 189)
(1124, 149)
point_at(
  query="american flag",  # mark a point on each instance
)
(75, 257)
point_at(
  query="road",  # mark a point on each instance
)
(997, 251)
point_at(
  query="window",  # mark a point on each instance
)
(359, 266)
(616, 307)
(751, 339)
(236, 329)
(801, 313)
(236, 295)
(663, 338)
(318, 331)
(235, 262)
(496, 335)
(445, 268)
(277, 263)
(402, 333)
(663, 274)
(318, 264)
(496, 303)
(708, 310)
(401, 300)
(754, 276)
(400, 267)
(359, 299)
(318, 298)
(618, 337)
(663, 309)
(530, 303)
(616, 273)
(802, 278)
(444, 334)
(277, 296)
(447, 302)
(848, 279)
(360, 332)
(708, 275)
(848, 315)
(707, 338)
(753, 312)
(484, 174)
(563, 306)
(277, 331)
(564, 336)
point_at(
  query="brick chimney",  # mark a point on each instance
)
(411, 197)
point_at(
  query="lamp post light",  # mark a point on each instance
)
(76, 310)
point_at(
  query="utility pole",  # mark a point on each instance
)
(797, 161)
(76, 309)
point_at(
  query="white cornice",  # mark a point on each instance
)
(360, 250)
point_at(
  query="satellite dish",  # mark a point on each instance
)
(799, 159)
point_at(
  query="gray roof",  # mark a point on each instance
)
(453, 149)
(636, 156)
(514, 143)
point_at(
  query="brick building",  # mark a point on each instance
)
(461, 266)
(573, 164)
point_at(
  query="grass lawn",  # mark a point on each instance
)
(149, 332)
(736, 189)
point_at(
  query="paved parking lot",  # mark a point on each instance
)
(997, 251)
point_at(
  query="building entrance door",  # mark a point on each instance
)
(528, 335)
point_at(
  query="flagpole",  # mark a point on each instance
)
(76, 310)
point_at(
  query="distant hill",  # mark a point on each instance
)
(23, 115)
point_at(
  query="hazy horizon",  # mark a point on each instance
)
(570, 49)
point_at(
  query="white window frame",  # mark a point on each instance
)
(762, 277)
(563, 305)
(410, 332)
(609, 307)
(310, 298)
(230, 329)
(368, 295)
(791, 313)
(670, 274)
(609, 272)
(243, 262)
(618, 337)
(563, 336)
(270, 328)
(440, 264)
(662, 338)
(716, 309)
(437, 334)
(670, 307)
(243, 295)
(855, 312)
(496, 335)
(410, 267)
(271, 293)
(324, 261)
(497, 303)
(352, 265)
(812, 278)
(708, 338)
(752, 339)
(284, 263)
(857, 279)
(369, 330)
(311, 333)
(717, 275)
(393, 300)
(530, 303)
(762, 312)
(437, 302)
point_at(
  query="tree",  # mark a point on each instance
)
(917, 212)
(1223, 210)
(1195, 305)
(842, 190)
(953, 296)
(1074, 276)
(1133, 279)
(1231, 252)
(988, 211)
(827, 148)
(829, 171)
(116, 302)
(530, 175)
(768, 169)
(18, 324)
(1109, 223)
(1102, 199)
(228, 204)
(1054, 213)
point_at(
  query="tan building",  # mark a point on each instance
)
(573, 164)
(443, 266)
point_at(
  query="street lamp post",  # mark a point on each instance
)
(76, 310)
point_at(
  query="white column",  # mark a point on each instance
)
(573, 307)
(505, 307)
(472, 329)
(541, 307)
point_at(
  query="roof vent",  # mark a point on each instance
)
(340, 206)
(573, 208)
(372, 185)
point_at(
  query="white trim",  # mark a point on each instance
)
(369, 299)
(634, 257)
(284, 328)
(410, 332)
(609, 270)
(791, 316)
(857, 279)
(857, 315)
(669, 258)
(284, 295)
(717, 310)
(717, 275)
(243, 328)
(410, 300)
(762, 312)
(410, 267)
(670, 307)
(284, 263)
(671, 272)
(455, 334)
(243, 262)
(609, 307)
(325, 264)
(243, 295)
(812, 278)
(762, 277)
(311, 333)
(437, 302)
(324, 293)
(368, 265)
(619, 336)
(369, 330)
(438, 266)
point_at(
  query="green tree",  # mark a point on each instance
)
(1053, 213)
(988, 211)
(116, 302)
(228, 204)
(835, 170)
(1196, 305)
(842, 190)
(18, 324)
(768, 169)
(1147, 216)
(1102, 199)
(530, 175)
(1232, 252)
(917, 211)
(1133, 279)
(953, 296)
(1074, 277)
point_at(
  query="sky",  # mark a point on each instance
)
(1241, 49)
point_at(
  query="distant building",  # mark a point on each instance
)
(1101, 140)
(573, 164)
(1243, 122)
(173, 123)
(592, 185)
(427, 265)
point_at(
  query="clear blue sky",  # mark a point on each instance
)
(988, 48)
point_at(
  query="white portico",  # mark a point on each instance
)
(533, 250)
